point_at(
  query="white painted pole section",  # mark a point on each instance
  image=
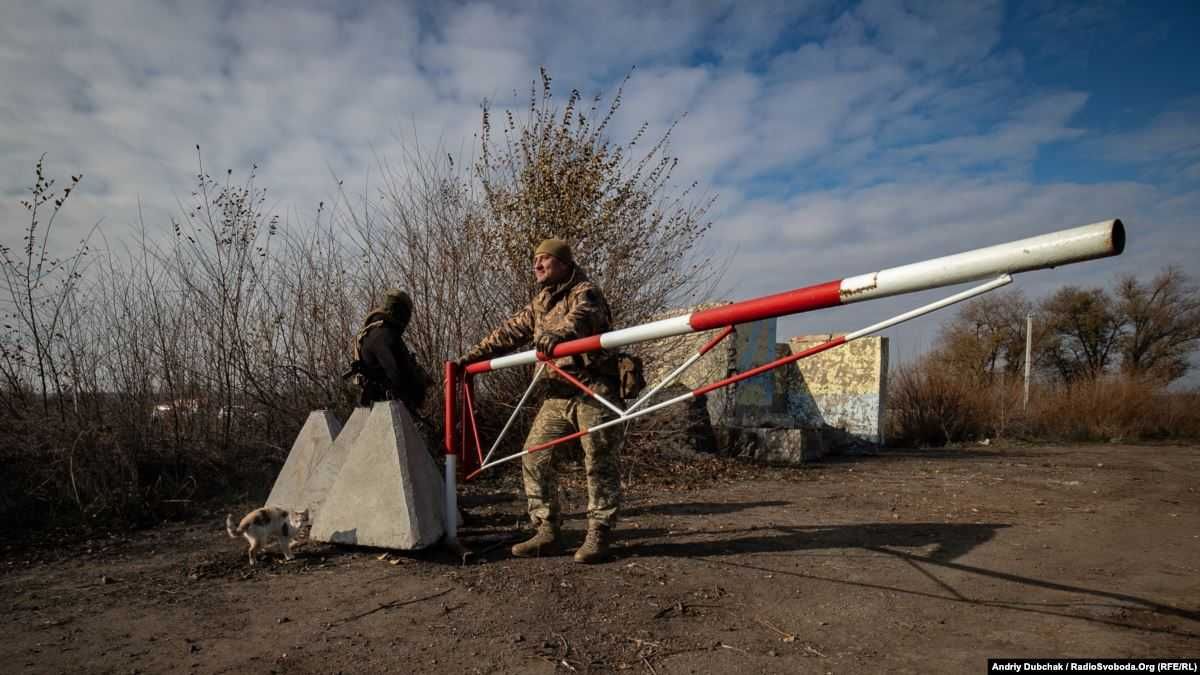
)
(668, 380)
(999, 281)
(451, 517)
(646, 411)
(676, 325)
(1047, 250)
(1028, 356)
(607, 403)
(537, 373)
(511, 360)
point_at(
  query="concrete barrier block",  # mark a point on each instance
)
(778, 446)
(311, 447)
(388, 493)
(323, 475)
(844, 388)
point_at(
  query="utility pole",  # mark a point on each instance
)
(1028, 354)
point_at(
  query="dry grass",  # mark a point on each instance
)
(932, 405)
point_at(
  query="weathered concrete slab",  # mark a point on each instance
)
(844, 388)
(750, 403)
(754, 345)
(311, 447)
(325, 473)
(839, 395)
(778, 446)
(388, 493)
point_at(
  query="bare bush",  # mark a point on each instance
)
(556, 174)
(931, 403)
(40, 287)
(1078, 392)
(175, 369)
(180, 368)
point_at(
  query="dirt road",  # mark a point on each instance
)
(928, 561)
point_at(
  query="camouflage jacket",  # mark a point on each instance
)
(572, 309)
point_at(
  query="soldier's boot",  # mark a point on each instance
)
(545, 542)
(596, 546)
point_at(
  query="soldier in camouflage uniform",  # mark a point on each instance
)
(567, 306)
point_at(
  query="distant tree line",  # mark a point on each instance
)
(1144, 328)
(1101, 361)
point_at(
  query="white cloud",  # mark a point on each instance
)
(1173, 135)
(841, 139)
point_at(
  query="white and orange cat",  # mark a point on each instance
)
(269, 524)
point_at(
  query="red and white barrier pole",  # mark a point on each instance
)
(1098, 240)
(816, 349)
(451, 504)
(684, 366)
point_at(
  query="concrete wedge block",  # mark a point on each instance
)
(388, 493)
(324, 474)
(311, 447)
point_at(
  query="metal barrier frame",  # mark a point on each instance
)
(1088, 242)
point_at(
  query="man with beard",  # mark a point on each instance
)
(567, 306)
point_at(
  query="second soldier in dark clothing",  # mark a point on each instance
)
(385, 368)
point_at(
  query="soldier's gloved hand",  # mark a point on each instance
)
(548, 341)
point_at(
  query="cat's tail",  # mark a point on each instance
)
(234, 532)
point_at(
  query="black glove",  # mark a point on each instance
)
(548, 341)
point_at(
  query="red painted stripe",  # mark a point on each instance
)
(451, 383)
(468, 389)
(769, 366)
(795, 301)
(580, 346)
(716, 340)
(478, 367)
(564, 439)
(567, 376)
(461, 441)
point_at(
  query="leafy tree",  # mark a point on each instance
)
(1085, 329)
(1162, 320)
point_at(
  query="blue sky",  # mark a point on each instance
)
(840, 138)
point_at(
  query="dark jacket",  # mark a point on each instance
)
(389, 370)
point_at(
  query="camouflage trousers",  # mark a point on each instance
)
(559, 417)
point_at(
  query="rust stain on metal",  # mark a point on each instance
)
(851, 292)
